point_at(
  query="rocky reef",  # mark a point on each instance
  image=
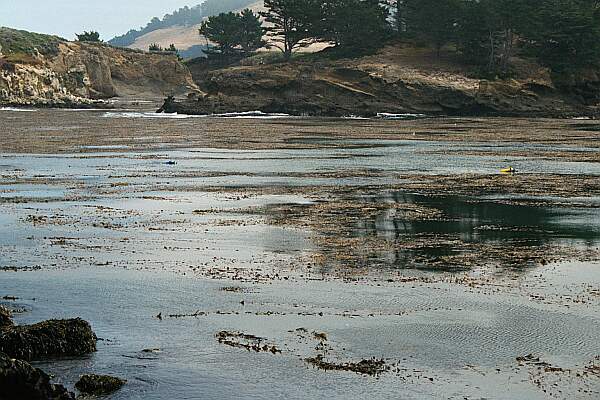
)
(99, 384)
(19, 381)
(20, 344)
(45, 70)
(53, 338)
(395, 80)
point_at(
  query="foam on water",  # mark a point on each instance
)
(252, 114)
(112, 114)
(246, 114)
(400, 116)
(15, 109)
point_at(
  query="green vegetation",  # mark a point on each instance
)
(91, 36)
(155, 47)
(563, 35)
(16, 43)
(291, 23)
(233, 34)
(353, 24)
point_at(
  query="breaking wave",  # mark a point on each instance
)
(247, 114)
(17, 109)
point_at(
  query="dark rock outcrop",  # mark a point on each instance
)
(20, 381)
(5, 318)
(53, 338)
(99, 384)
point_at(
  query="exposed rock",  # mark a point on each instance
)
(99, 384)
(83, 73)
(5, 318)
(396, 80)
(53, 338)
(19, 381)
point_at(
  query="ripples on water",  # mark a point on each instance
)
(120, 223)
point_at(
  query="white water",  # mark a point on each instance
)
(247, 114)
(16, 109)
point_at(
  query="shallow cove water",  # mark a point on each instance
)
(117, 235)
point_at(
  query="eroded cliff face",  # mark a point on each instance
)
(396, 80)
(83, 73)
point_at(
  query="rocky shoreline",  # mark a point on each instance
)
(395, 80)
(63, 74)
(19, 345)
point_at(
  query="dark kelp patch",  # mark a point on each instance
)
(372, 366)
(246, 341)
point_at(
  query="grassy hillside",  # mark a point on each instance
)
(183, 37)
(15, 42)
(186, 19)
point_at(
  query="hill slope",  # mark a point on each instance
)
(181, 27)
(183, 37)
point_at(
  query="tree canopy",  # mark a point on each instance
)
(563, 35)
(91, 36)
(291, 23)
(234, 33)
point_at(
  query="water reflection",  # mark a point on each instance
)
(463, 225)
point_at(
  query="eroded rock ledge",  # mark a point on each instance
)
(49, 71)
(396, 80)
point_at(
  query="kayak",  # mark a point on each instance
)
(509, 170)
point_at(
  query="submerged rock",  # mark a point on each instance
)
(53, 338)
(5, 318)
(19, 381)
(99, 384)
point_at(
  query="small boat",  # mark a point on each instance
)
(509, 170)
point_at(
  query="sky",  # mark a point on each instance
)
(68, 17)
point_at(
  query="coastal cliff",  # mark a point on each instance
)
(46, 70)
(395, 80)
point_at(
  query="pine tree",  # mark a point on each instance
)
(433, 20)
(223, 30)
(250, 31)
(357, 24)
(565, 34)
(91, 36)
(291, 23)
(234, 33)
